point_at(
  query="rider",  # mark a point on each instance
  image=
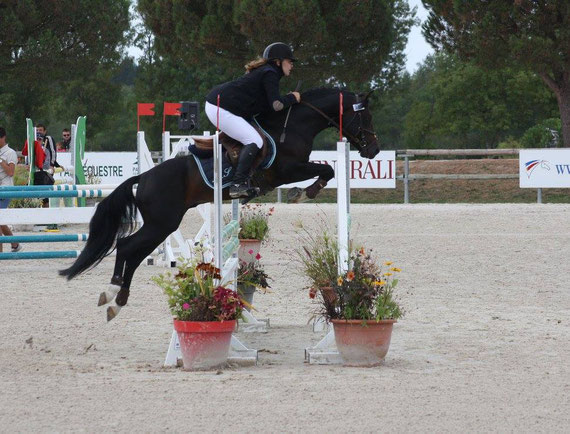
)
(257, 91)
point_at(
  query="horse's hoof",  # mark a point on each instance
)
(294, 195)
(112, 312)
(108, 296)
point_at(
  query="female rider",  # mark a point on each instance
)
(240, 100)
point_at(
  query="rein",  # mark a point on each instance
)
(351, 137)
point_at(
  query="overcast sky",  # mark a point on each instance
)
(417, 48)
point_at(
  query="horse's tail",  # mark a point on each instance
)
(113, 219)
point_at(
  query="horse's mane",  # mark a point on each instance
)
(317, 93)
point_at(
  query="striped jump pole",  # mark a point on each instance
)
(46, 193)
(40, 255)
(59, 238)
(59, 187)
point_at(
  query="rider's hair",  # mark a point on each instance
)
(256, 63)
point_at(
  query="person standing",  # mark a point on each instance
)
(65, 143)
(44, 175)
(8, 160)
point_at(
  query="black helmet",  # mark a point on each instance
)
(278, 50)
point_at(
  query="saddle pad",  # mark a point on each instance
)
(206, 166)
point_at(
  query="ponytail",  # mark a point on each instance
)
(256, 63)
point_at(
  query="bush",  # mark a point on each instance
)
(546, 134)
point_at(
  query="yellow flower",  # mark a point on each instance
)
(396, 269)
(388, 263)
(339, 281)
(387, 274)
(379, 283)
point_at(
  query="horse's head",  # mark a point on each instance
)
(358, 127)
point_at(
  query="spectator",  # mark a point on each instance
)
(65, 143)
(8, 160)
(44, 175)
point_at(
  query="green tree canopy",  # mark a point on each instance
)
(339, 42)
(57, 60)
(532, 34)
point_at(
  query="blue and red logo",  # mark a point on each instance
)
(533, 164)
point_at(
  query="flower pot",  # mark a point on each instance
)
(246, 292)
(362, 343)
(204, 344)
(245, 246)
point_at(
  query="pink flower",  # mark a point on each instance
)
(250, 251)
(258, 256)
(185, 306)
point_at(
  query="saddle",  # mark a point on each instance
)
(206, 147)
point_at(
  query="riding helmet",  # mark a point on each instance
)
(278, 50)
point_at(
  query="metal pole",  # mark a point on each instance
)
(279, 198)
(217, 202)
(406, 179)
(343, 216)
(539, 195)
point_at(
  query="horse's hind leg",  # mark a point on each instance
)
(117, 279)
(132, 251)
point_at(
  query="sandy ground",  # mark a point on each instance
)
(484, 345)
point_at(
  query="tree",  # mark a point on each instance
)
(337, 42)
(461, 105)
(52, 49)
(531, 34)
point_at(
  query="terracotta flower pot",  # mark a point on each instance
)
(204, 344)
(362, 345)
(245, 246)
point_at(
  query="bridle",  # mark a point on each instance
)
(359, 139)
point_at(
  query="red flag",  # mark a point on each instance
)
(172, 108)
(145, 109)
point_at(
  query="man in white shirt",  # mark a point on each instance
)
(8, 160)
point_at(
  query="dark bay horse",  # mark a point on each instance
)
(167, 191)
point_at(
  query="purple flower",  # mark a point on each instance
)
(250, 251)
(185, 306)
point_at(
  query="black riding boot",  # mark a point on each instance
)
(240, 187)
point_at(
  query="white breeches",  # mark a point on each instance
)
(234, 126)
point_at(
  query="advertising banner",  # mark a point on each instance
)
(102, 167)
(380, 172)
(544, 168)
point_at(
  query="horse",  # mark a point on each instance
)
(168, 190)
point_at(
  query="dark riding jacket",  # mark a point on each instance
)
(253, 93)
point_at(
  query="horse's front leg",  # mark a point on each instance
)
(296, 172)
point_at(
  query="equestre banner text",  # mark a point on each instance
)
(102, 167)
(544, 168)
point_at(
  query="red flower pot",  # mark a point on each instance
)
(245, 246)
(362, 343)
(204, 344)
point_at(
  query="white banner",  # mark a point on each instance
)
(380, 172)
(102, 167)
(116, 167)
(544, 168)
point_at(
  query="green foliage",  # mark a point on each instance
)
(523, 33)
(56, 62)
(544, 135)
(457, 104)
(253, 222)
(318, 255)
(329, 37)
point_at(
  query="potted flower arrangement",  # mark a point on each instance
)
(360, 302)
(251, 277)
(205, 313)
(254, 229)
